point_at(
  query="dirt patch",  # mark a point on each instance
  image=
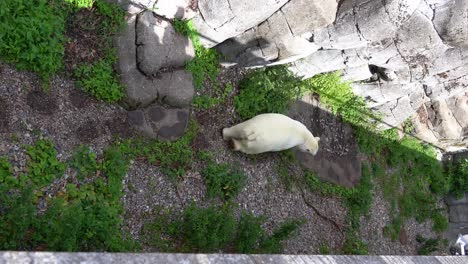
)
(41, 102)
(79, 99)
(85, 42)
(119, 127)
(4, 123)
(88, 131)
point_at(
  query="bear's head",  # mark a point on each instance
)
(311, 145)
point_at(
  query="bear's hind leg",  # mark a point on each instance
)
(236, 144)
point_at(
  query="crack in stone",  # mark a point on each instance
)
(227, 21)
(329, 37)
(356, 25)
(287, 22)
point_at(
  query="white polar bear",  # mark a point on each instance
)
(271, 132)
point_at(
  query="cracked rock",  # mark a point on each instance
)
(159, 46)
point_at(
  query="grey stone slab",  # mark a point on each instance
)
(139, 90)
(451, 200)
(451, 22)
(356, 73)
(450, 59)
(418, 42)
(337, 159)
(306, 15)
(167, 123)
(458, 213)
(402, 110)
(176, 88)
(314, 64)
(138, 122)
(159, 45)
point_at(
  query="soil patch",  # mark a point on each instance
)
(85, 41)
(41, 102)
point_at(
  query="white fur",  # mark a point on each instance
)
(270, 132)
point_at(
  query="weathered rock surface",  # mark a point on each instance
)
(337, 160)
(222, 19)
(169, 92)
(451, 21)
(282, 37)
(159, 46)
(160, 122)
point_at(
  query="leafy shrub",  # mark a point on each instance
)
(272, 243)
(212, 229)
(249, 233)
(17, 217)
(222, 180)
(427, 245)
(269, 90)
(114, 19)
(99, 80)
(5, 172)
(32, 36)
(83, 162)
(81, 3)
(207, 229)
(84, 218)
(43, 166)
(115, 166)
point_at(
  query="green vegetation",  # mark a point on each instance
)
(83, 217)
(204, 69)
(100, 81)
(172, 157)
(32, 35)
(83, 162)
(428, 245)
(457, 173)
(222, 180)
(269, 90)
(212, 229)
(81, 3)
(99, 78)
(43, 166)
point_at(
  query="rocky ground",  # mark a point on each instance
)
(70, 118)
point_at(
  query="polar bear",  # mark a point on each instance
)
(271, 132)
